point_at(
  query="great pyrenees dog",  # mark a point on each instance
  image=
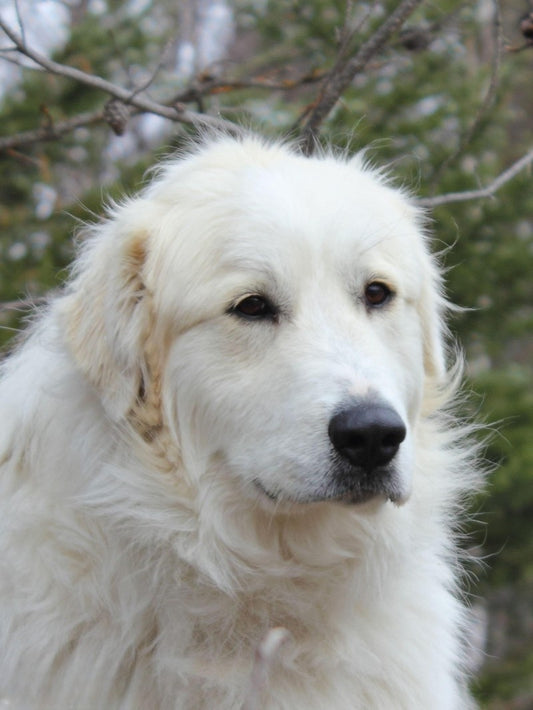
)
(234, 422)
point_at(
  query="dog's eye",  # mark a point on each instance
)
(254, 307)
(377, 294)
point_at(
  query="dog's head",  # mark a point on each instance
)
(279, 315)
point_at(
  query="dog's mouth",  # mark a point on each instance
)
(384, 486)
(362, 486)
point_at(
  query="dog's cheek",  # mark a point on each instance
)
(407, 364)
(214, 392)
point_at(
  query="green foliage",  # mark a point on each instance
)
(511, 680)
(507, 510)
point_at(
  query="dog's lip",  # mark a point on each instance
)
(358, 497)
(366, 496)
(348, 497)
(269, 494)
(394, 494)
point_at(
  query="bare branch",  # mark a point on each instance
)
(212, 87)
(172, 110)
(50, 132)
(342, 74)
(482, 192)
(153, 74)
(177, 113)
(19, 20)
(488, 99)
(16, 59)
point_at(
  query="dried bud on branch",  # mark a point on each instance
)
(117, 114)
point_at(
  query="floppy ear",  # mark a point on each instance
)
(106, 316)
(431, 309)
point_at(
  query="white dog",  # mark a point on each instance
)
(233, 419)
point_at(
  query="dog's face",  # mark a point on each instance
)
(295, 318)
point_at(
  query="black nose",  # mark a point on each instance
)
(367, 434)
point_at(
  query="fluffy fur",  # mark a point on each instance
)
(169, 492)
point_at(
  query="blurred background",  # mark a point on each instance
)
(445, 103)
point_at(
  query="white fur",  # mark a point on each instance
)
(141, 563)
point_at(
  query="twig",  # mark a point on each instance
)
(177, 113)
(22, 158)
(20, 23)
(61, 128)
(483, 192)
(349, 30)
(51, 132)
(143, 86)
(488, 99)
(342, 74)
(220, 86)
(148, 82)
(17, 60)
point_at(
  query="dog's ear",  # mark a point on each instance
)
(105, 316)
(431, 308)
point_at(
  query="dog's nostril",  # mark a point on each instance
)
(394, 437)
(368, 435)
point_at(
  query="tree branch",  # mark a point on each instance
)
(176, 113)
(172, 110)
(210, 87)
(344, 71)
(51, 131)
(20, 23)
(488, 100)
(482, 192)
(58, 129)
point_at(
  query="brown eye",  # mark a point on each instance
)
(254, 308)
(377, 294)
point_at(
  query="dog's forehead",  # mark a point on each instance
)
(238, 208)
(322, 209)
